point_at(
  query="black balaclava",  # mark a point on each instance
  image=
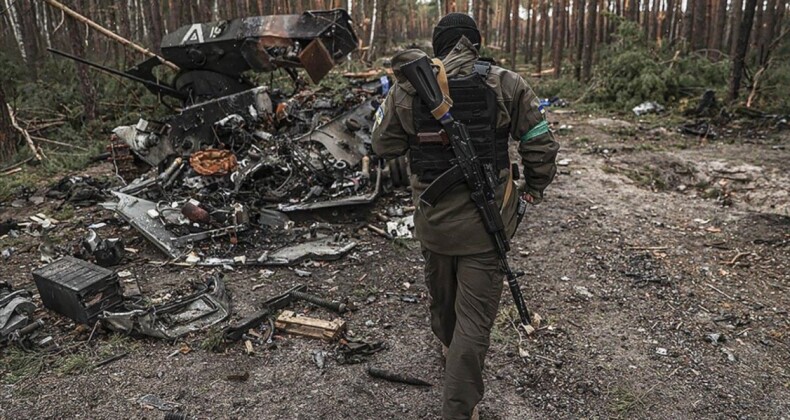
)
(449, 30)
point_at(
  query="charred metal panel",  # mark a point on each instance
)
(263, 43)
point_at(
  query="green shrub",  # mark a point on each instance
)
(630, 72)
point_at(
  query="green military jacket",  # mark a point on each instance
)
(453, 226)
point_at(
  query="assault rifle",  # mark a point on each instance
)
(481, 178)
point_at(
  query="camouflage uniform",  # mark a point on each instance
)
(461, 268)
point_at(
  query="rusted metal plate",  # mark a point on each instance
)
(316, 60)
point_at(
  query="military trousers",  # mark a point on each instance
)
(465, 293)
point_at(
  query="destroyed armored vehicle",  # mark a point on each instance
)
(236, 154)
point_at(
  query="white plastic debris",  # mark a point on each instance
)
(401, 228)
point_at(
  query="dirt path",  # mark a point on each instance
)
(648, 242)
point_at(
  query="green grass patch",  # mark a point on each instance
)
(75, 364)
(17, 364)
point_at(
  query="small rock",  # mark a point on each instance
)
(319, 357)
(730, 355)
(302, 273)
(370, 323)
(581, 290)
(565, 278)
(8, 252)
(715, 338)
(564, 162)
(661, 351)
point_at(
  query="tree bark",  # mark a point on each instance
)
(744, 33)
(8, 137)
(717, 30)
(699, 32)
(579, 38)
(30, 33)
(544, 18)
(156, 25)
(559, 31)
(87, 89)
(514, 31)
(757, 25)
(536, 7)
(735, 25)
(767, 35)
(589, 39)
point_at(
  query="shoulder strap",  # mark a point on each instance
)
(482, 68)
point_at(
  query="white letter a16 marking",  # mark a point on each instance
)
(194, 34)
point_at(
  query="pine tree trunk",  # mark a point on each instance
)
(533, 29)
(8, 137)
(721, 23)
(735, 25)
(579, 38)
(589, 39)
(767, 35)
(87, 90)
(544, 17)
(514, 31)
(688, 19)
(156, 25)
(757, 26)
(559, 31)
(699, 32)
(30, 33)
(742, 42)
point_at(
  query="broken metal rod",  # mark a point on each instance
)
(338, 307)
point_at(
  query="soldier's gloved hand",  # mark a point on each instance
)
(531, 195)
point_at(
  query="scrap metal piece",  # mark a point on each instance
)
(337, 136)
(135, 211)
(193, 128)
(170, 321)
(263, 43)
(16, 310)
(348, 201)
(235, 331)
(77, 289)
(326, 249)
(396, 377)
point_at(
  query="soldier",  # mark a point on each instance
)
(461, 267)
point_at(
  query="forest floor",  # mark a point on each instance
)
(648, 242)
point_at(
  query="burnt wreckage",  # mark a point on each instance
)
(237, 155)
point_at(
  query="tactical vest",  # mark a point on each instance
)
(475, 105)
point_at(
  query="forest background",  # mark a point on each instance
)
(604, 55)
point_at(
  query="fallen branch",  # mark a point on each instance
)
(722, 293)
(39, 155)
(737, 256)
(106, 32)
(59, 143)
(10, 171)
(648, 248)
(16, 165)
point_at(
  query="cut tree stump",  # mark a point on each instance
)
(291, 323)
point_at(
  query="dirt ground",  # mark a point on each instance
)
(647, 243)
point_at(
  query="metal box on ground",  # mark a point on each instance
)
(77, 289)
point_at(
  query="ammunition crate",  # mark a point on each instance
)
(77, 289)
